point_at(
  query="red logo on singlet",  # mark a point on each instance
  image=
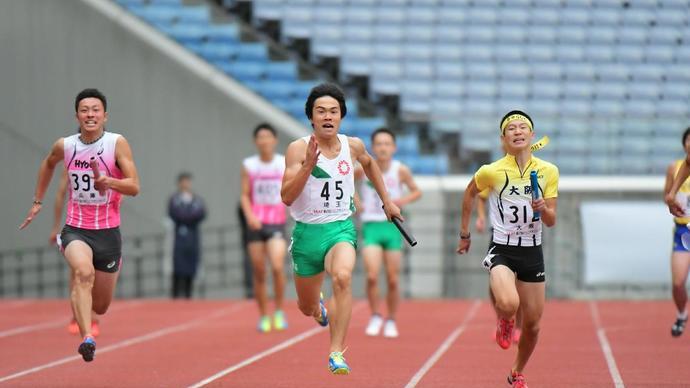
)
(343, 167)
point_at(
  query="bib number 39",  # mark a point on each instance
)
(83, 190)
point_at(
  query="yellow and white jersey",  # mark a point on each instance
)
(510, 198)
(683, 196)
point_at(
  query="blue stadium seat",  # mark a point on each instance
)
(252, 52)
(215, 52)
(286, 70)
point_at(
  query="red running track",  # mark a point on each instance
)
(160, 343)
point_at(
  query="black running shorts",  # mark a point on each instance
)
(106, 245)
(526, 262)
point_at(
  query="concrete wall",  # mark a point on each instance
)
(177, 112)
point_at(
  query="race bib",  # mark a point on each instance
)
(266, 191)
(328, 197)
(83, 190)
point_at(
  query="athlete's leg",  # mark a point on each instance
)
(257, 253)
(276, 248)
(373, 255)
(80, 259)
(103, 290)
(532, 298)
(339, 263)
(504, 292)
(680, 263)
(308, 290)
(392, 260)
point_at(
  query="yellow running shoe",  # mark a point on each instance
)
(337, 364)
(264, 325)
(279, 321)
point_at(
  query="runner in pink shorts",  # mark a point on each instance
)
(90, 239)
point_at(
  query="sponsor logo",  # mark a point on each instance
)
(81, 163)
(540, 274)
(344, 167)
(112, 264)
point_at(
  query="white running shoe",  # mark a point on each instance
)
(374, 326)
(390, 330)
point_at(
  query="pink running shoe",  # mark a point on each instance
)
(73, 327)
(517, 380)
(504, 332)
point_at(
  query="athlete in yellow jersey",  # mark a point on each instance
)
(680, 256)
(515, 260)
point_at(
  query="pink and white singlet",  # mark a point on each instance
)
(86, 207)
(265, 180)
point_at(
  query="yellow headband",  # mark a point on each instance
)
(516, 116)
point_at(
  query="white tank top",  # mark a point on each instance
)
(265, 179)
(370, 199)
(329, 193)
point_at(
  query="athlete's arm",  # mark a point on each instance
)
(359, 174)
(480, 224)
(246, 202)
(45, 173)
(673, 206)
(547, 210)
(467, 204)
(413, 192)
(59, 205)
(129, 185)
(300, 159)
(372, 171)
(673, 185)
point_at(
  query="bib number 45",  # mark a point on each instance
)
(326, 191)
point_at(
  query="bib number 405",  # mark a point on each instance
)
(326, 192)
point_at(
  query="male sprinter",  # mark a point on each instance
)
(262, 175)
(318, 186)
(515, 260)
(91, 239)
(382, 240)
(680, 257)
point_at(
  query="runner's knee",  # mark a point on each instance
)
(307, 309)
(342, 279)
(393, 283)
(507, 305)
(84, 276)
(100, 307)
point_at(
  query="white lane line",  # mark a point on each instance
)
(129, 342)
(277, 348)
(444, 346)
(606, 347)
(58, 322)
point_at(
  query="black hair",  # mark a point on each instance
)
(184, 175)
(382, 130)
(685, 135)
(90, 93)
(325, 89)
(515, 112)
(265, 126)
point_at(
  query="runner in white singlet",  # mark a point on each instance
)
(318, 186)
(382, 241)
(91, 239)
(262, 175)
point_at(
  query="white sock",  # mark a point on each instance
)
(683, 315)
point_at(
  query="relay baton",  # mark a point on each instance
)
(96, 173)
(540, 144)
(403, 230)
(535, 190)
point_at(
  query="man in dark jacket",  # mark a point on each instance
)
(187, 210)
